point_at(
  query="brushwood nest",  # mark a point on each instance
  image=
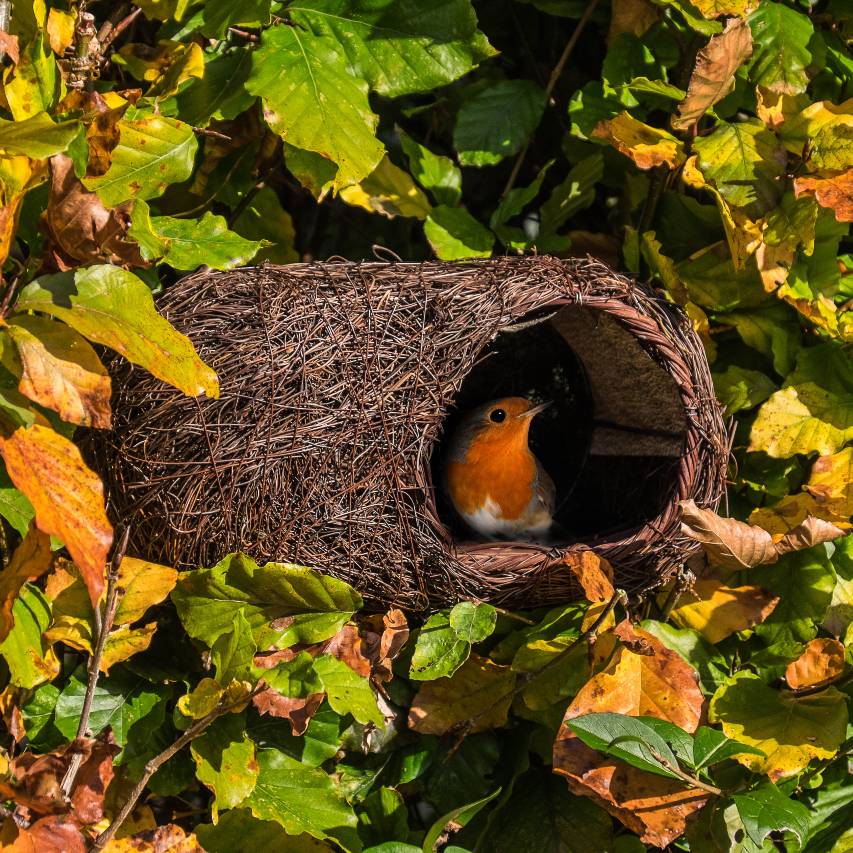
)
(340, 382)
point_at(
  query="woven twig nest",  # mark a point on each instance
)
(337, 380)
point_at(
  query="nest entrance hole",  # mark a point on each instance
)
(613, 437)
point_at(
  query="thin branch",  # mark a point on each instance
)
(215, 134)
(517, 616)
(119, 28)
(8, 295)
(158, 761)
(250, 195)
(686, 777)
(817, 688)
(683, 579)
(552, 83)
(103, 626)
(243, 34)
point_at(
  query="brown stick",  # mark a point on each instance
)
(112, 34)
(158, 761)
(103, 625)
(552, 83)
(685, 777)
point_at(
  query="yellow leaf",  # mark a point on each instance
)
(390, 191)
(714, 74)
(800, 419)
(160, 839)
(60, 30)
(202, 700)
(646, 146)
(30, 560)
(823, 132)
(789, 730)
(124, 642)
(479, 691)
(715, 8)
(165, 66)
(142, 585)
(822, 661)
(71, 614)
(67, 497)
(61, 371)
(716, 611)
(775, 108)
(17, 175)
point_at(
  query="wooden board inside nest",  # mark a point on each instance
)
(339, 382)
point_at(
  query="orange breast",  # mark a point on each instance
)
(504, 471)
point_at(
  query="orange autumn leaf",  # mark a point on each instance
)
(46, 835)
(593, 573)
(647, 146)
(31, 560)
(717, 611)
(727, 541)
(821, 662)
(834, 191)
(653, 681)
(68, 498)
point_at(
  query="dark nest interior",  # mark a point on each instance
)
(340, 384)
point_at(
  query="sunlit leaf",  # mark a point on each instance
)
(30, 560)
(29, 657)
(647, 146)
(821, 662)
(437, 174)
(225, 760)
(454, 234)
(389, 191)
(766, 809)
(781, 36)
(834, 191)
(37, 136)
(113, 307)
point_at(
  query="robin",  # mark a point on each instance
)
(493, 479)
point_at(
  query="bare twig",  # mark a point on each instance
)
(103, 625)
(158, 761)
(115, 31)
(250, 195)
(684, 579)
(8, 295)
(215, 134)
(516, 616)
(243, 34)
(685, 777)
(552, 83)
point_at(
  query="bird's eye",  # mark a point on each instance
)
(498, 415)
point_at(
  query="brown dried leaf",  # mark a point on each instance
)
(713, 76)
(68, 498)
(31, 560)
(660, 684)
(93, 777)
(346, 646)
(821, 662)
(834, 191)
(727, 542)
(593, 573)
(9, 46)
(478, 695)
(297, 712)
(48, 835)
(383, 641)
(810, 532)
(60, 370)
(716, 611)
(631, 16)
(82, 229)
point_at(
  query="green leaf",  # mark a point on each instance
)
(30, 658)
(384, 817)
(439, 650)
(561, 680)
(541, 815)
(313, 102)
(206, 241)
(120, 701)
(14, 506)
(233, 652)
(439, 175)
(153, 151)
(295, 678)
(220, 14)
(38, 713)
(266, 221)
(781, 52)
(745, 162)
(692, 16)
(33, 85)
(711, 746)
(497, 121)
(459, 815)
(572, 195)
(301, 799)
(824, 132)
(454, 234)
(771, 331)
(113, 307)
(225, 760)
(739, 388)
(473, 622)
(627, 738)
(311, 606)
(37, 136)
(237, 829)
(655, 87)
(399, 46)
(347, 691)
(221, 93)
(788, 729)
(804, 582)
(766, 809)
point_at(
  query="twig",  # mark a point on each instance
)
(8, 295)
(683, 579)
(817, 688)
(518, 617)
(215, 134)
(113, 33)
(250, 195)
(103, 626)
(158, 761)
(552, 83)
(243, 34)
(686, 777)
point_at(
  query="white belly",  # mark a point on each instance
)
(489, 522)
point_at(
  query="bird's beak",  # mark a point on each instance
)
(531, 413)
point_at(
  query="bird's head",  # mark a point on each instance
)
(503, 421)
